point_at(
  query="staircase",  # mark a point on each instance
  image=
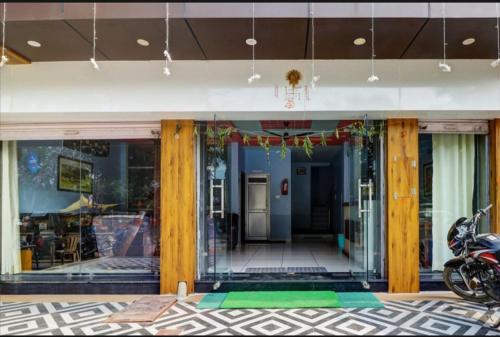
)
(320, 218)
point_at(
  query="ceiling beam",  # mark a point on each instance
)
(14, 57)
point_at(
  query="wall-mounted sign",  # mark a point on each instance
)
(300, 171)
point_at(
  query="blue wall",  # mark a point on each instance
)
(255, 161)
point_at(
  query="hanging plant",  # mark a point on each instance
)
(267, 148)
(283, 149)
(195, 131)
(308, 146)
(337, 133)
(246, 139)
(296, 141)
(323, 138)
(293, 77)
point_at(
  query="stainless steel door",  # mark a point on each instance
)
(257, 207)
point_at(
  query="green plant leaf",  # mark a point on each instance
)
(210, 132)
(308, 146)
(259, 140)
(246, 139)
(283, 149)
(296, 141)
(323, 139)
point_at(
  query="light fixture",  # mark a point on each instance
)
(33, 43)
(314, 77)
(373, 78)
(4, 59)
(92, 59)
(143, 42)
(468, 41)
(252, 42)
(166, 52)
(359, 41)
(443, 66)
(496, 62)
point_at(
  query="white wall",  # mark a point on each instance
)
(137, 90)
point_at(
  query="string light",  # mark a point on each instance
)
(314, 77)
(373, 77)
(166, 52)
(4, 58)
(496, 62)
(253, 42)
(443, 65)
(93, 60)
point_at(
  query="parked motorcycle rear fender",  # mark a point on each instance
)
(454, 262)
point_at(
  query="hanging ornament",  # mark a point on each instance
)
(92, 59)
(166, 52)
(496, 62)
(4, 58)
(293, 91)
(314, 77)
(443, 66)
(373, 78)
(252, 42)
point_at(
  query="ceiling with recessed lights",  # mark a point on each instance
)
(62, 32)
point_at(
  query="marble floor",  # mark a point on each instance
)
(300, 253)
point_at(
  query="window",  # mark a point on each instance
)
(453, 183)
(80, 206)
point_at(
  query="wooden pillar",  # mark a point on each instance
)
(495, 174)
(402, 206)
(177, 193)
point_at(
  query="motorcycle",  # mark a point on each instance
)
(474, 273)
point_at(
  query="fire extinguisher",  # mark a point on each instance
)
(284, 187)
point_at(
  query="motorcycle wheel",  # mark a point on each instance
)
(463, 291)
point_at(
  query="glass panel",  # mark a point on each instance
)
(86, 206)
(305, 218)
(364, 211)
(453, 183)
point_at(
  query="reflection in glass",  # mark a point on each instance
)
(87, 206)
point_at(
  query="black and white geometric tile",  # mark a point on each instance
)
(444, 317)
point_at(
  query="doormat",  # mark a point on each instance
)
(280, 300)
(212, 301)
(359, 300)
(145, 309)
(266, 270)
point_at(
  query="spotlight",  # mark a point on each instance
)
(166, 71)
(445, 68)
(495, 63)
(94, 63)
(167, 55)
(253, 77)
(3, 60)
(373, 78)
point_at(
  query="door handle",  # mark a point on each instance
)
(370, 197)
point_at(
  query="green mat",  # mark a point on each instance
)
(359, 300)
(280, 300)
(212, 301)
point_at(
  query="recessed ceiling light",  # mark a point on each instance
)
(143, 42)
(469, 41)
(359, 41)
(33, 43)
(251, 42)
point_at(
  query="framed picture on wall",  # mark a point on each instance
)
(427, 179)
(74, 175)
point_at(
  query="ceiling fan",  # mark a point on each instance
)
(286, 135)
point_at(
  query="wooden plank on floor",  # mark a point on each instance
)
(146, 309)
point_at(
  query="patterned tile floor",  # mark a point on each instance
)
(399, 317)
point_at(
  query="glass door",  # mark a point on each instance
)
(363, 243)
(217, 230)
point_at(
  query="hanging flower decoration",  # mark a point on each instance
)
(217, 138)
(293, 77)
